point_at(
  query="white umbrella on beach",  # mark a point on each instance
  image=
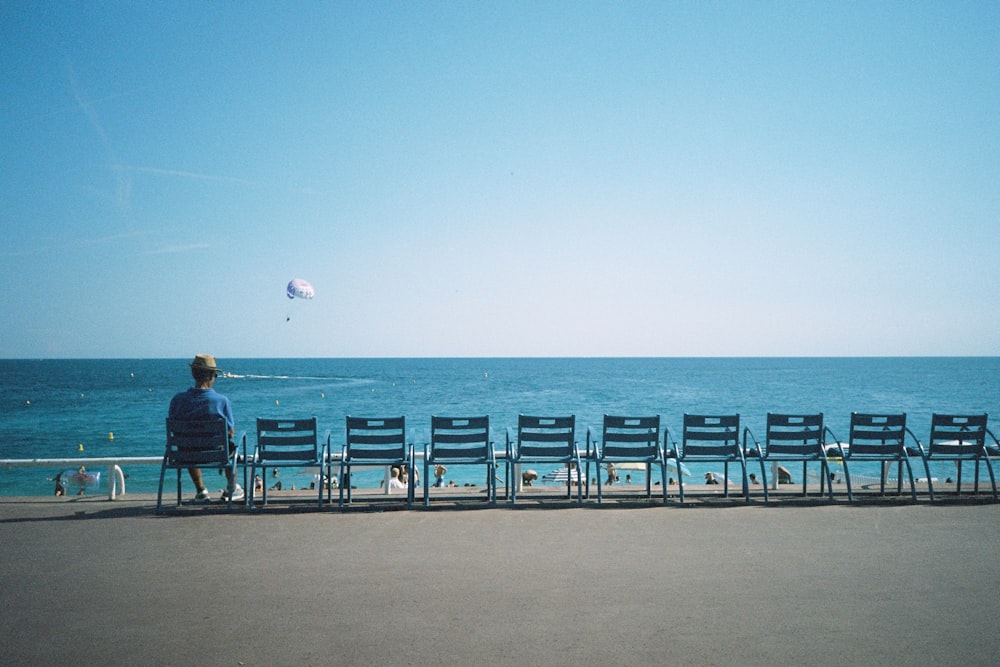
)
(637, 465)
(562, 475)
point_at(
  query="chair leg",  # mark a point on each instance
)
(342, 485)
(427, 485)
(511, 482)
(913, 486)
(993, 481)
(825, 471)
(847, 480)
(930, 484)
(159, 493)
(763, 479)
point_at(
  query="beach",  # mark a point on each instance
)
(797, 582)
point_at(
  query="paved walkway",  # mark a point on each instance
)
(88, 581)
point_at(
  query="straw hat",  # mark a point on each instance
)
(205, 361)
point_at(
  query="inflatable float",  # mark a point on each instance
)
(81, 479)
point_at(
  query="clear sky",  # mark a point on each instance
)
(500, 178)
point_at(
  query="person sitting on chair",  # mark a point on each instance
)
(203, 402)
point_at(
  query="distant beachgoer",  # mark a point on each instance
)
(753, 479)
(258, 483)
(710, 478)
(394, 479)
(60, 489)
(628, 479)
(81, 478)
(784, 477)
(439, 473)
(612, 474)
(203, 402)
(528, 476)
(671, 482)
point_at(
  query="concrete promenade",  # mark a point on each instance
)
(87, 581)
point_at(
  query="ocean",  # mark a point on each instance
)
(61, 408)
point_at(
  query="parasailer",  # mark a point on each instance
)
(299, 289)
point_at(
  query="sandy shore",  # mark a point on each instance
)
(88, 581)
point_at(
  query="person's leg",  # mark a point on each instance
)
(196, 478)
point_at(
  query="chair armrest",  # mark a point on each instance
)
(667, 449)
(920, 447)
(593, 447)
(748, 436)
(325, 451)
(995, 449)
(836, 442)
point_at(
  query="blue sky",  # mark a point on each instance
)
(500, 179)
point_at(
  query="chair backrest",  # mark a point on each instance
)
(546, 437)
(631, 437)
(197, 442)
(794, 434)
(287, 440)
(880, 435)
(711, 435)
(957, 435)
(376, 438)
(460, 438)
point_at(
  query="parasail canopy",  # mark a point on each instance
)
(301, 289)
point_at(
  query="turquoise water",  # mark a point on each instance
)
(52, 407)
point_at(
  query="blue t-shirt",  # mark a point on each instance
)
(201, 404)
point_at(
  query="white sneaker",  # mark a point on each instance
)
(203, 496)
(238, 493)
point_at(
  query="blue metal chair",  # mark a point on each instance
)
(375, 441)
(628, 440)
(792, 438)
(545, 440)
(958, 438)
(707, 439)
(461, 441)
(198, 444)
(880, 438)
(288, 443)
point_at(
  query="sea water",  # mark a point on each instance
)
(116, 408)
